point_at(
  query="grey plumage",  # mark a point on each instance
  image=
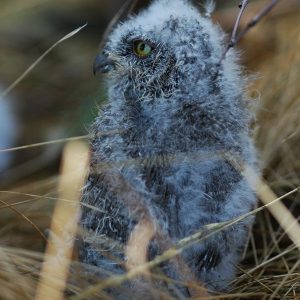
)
(171, 116)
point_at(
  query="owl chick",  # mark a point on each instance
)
(173, 112)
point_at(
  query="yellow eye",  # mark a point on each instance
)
(141, 48)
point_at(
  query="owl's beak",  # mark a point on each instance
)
(103, 64)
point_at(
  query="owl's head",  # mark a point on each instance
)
(168, 48)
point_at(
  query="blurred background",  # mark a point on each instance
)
(59, 98)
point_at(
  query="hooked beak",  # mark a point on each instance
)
(103, 64)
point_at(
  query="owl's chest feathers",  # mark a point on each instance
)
(171, 127)
(172, 148)
(157, 132)
(162, 131)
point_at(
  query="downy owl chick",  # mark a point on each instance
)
(173, 112)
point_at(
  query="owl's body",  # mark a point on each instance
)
(170, 118)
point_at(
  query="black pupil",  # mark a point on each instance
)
(142, 47)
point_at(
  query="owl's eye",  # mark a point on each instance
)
(141, 48)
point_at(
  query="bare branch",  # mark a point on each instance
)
(235, 38)
(256, 19)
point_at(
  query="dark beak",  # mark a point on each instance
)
(103, 64)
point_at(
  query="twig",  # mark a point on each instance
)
(32, 66)
(256, 19)
(235, 37)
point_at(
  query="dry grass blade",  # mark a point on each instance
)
(37, 197)
(284, 280)
(63, 140)
(24, 217)
(127, 6)
(137, 247)
(76, 138)
(204, 233)
(283, 216)
(271, 265)
(32, 66)
(277, 209)
(64, 224)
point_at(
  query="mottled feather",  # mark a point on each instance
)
(177, 112)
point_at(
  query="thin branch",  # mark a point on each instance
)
(235, 37)
(256, 19)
